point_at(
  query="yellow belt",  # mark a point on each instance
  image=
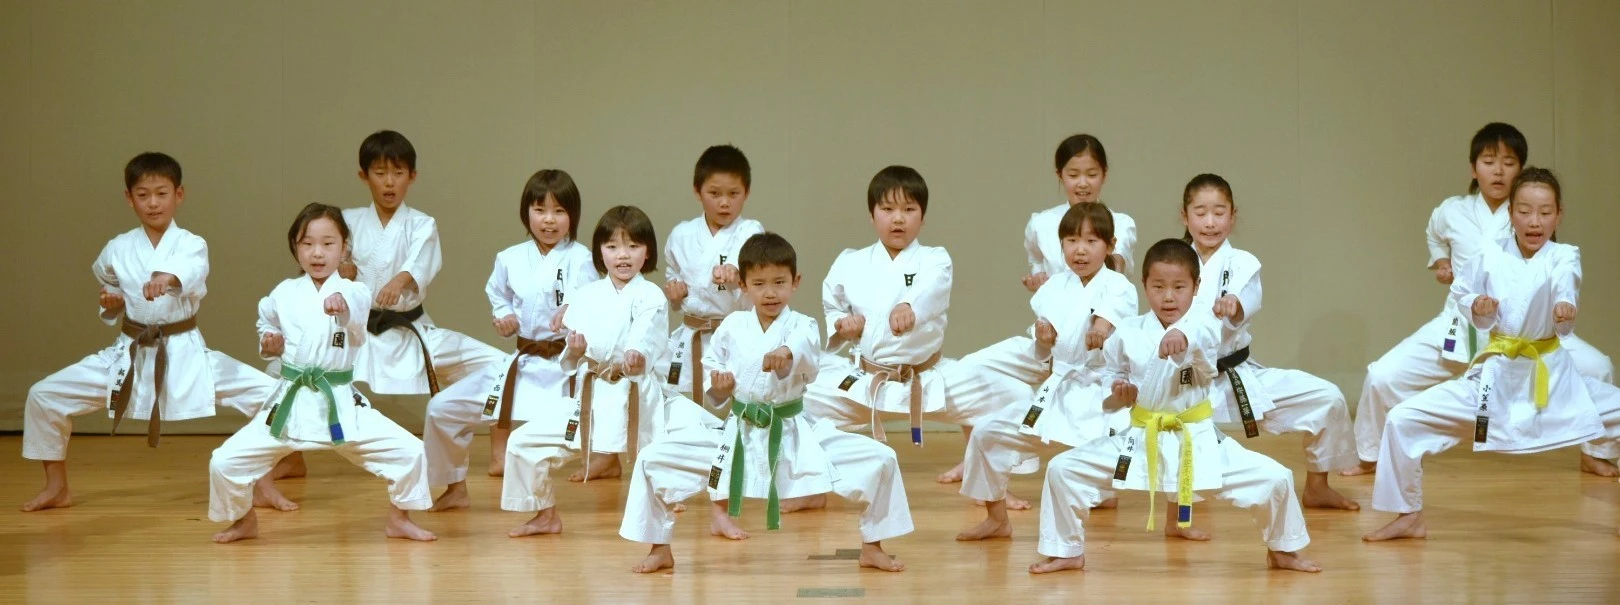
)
(1514, 348)
(1167, 421)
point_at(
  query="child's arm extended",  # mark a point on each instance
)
(1566, 284)
(502, 300)
(715, 356)
(1468, 293)
(645, 339)
(1439, 245)
(422, 263)
(843, 323)
(1242, 299)
(928, 296)
(1037, 261)
(1117, 367)
(271, 342)
(185, 270)
(111, 298)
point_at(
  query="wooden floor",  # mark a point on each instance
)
(1503, 529)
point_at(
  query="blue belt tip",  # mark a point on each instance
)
(1184, 514)
(916, 435)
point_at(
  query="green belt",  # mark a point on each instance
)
(310, 378)
(762, 415)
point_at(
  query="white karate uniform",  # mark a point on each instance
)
(1280, 401)
(815, 456)
(1498, 388)
(196, 379)
(869, 283)
(690, 255)
(1011, 357)
(295, 309)
(391, 362)
(1075, 479)
(613, 322)
(1067, 409)
(531, 286)
(1459, 227)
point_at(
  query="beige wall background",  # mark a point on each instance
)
(1340, 125)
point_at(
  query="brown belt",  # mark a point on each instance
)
(699, 327)
(612, 373)
(548, 349)
(898, 373)
(148, 336)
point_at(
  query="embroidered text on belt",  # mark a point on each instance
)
(548, 349)
(765, 416)
(902, 373)
(1514, 348)
(699, 326)
(315, 379)
(155, 336)
(1168, 421)
(612, 373)
(383, 320)
(1228, 365)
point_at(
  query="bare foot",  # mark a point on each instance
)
(50, 497)
(872, 556)
(1318, 494)
(56, 493)
(400, 526)
(1408, 525)
(544, 522)
(792, 505)
(243, 529)
(720, 523)
(1109, 503)
(265, 495)
(994, 525)
(1291, 561)
(497, 451)
(951, 476)
(1016, 503)
(1365, 468)
(1051, 564)
(1598, 466)
(602, 466)
(660, 557)
(454, 497)
(680, 507)
(291, 465)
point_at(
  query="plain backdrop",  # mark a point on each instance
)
(1340, 126)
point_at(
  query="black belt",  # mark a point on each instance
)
(1226, 365)
(383, 320)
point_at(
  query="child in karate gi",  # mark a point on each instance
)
(614, 328)
(1458, 229)
(153, 279)
(759, 364)
(313, 323)
(701, 265)
(1273, 400)
(1075, 312)
(395, 253)
(888, 302)
(529, 286)
(1522, 393)
(1082, 170)
(1164, 362)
